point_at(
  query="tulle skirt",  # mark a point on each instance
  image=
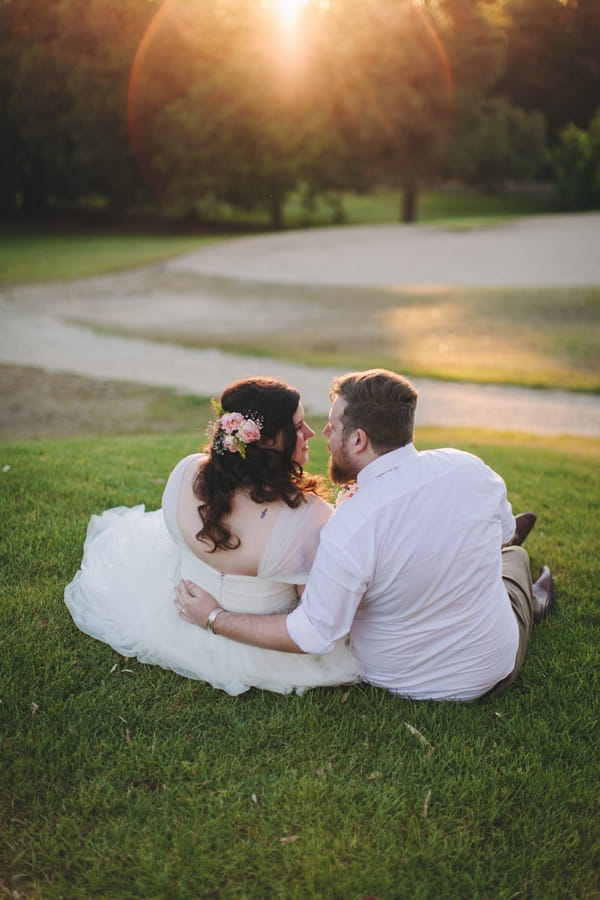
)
(123, 594)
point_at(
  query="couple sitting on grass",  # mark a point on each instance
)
(416, 583)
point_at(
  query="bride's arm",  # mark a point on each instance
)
(195, 605)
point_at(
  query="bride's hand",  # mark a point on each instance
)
(193, 603)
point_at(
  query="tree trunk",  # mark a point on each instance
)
(276, 211)
(410, 195)
(34, 199)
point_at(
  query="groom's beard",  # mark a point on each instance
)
(341, 468)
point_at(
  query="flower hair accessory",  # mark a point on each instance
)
(232, 431)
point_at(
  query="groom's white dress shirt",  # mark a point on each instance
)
(411, 568)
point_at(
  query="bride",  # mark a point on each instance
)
(243, 522)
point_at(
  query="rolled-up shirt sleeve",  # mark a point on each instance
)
(333, 592)
(506, 514)
(493, 496)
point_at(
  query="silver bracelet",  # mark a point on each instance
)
(212, 616)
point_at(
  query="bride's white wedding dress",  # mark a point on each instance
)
(123, 594)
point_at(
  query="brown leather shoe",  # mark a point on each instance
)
(524, 522)
(543, 595)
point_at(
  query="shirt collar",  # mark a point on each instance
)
(385, 463)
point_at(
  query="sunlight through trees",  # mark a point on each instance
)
(192, 105)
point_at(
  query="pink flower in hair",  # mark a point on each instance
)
(231, 421)
(232, 431)
(248, 432)
(229, 443)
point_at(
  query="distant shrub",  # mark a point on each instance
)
(576, 163)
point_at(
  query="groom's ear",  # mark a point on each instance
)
(359, 440)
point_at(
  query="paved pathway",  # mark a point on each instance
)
(537, 250)
(31, 337)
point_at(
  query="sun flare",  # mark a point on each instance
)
(288, 12)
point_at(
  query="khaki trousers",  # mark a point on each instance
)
(516, 576)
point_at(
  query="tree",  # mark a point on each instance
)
(498, 142)
(98, 42)
(576, 162)
(553, 64)
(233, 129)
(201, 102)
(29, 76)
(63, 83)
(388, 88)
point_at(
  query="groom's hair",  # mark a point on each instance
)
(380, 402)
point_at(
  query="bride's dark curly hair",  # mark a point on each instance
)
(265, 472)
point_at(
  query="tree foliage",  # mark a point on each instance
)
(233, 129)
(553, 59)
(63, 77)
(197, 103)
(576, 161)
(389, 86)
(499, 142)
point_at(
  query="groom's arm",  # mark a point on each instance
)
(326, 612)
(269, 631)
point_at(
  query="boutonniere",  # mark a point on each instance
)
(346, 492)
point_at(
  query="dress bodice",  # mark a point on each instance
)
(285, 562)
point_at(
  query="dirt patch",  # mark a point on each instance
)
(35, 405)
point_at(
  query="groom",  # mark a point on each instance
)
(410, 566)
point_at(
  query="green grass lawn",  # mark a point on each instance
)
(49, 257)
(454, 207)
(122, 781)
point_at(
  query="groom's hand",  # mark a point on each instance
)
(193, 603)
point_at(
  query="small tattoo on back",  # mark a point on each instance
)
(263, 513)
